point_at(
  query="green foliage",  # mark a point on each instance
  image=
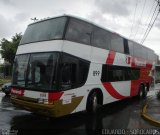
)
(9, 48)
(4, 80)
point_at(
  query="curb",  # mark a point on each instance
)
(148, 118)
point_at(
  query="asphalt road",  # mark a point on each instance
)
(122, 115)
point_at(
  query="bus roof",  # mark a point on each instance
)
(72, 16)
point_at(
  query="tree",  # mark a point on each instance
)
(9, 48)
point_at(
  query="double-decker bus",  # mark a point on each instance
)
(66, 64)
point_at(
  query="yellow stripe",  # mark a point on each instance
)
(148, 118)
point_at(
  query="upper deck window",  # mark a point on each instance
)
(101, 38)
(79, 31)
(45, 30)
(117, 43)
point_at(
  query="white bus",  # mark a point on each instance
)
(66, 64)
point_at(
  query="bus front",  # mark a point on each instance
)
(36, 67)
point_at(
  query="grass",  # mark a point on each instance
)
(5, 80)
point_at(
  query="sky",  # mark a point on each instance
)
(129, 18)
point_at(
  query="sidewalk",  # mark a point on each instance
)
(151, 110)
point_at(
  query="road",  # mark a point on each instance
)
(123, 114)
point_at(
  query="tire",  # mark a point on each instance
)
(7, 93)
(92, 103)
(145, 92)
(142, 92)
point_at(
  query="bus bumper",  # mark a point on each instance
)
(44, 109)
(56, 109)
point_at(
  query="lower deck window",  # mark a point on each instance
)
(73, 72)
(118, 73)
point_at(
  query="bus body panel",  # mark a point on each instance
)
(62, 102)
(46, 46)
(76, 99)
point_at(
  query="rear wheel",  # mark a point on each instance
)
(142, 92)
(92, 103)
(145, 92)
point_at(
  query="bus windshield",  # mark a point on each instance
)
(35, 71)
(45, 30)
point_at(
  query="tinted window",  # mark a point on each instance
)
(131, 49)
(117, 43)
(36, 71)
(101, 38)
(20, 69)
(45, 30)
(83, 71)
(137, 50)
(42, 71)
(79, 31)
(119, 73)
(144, 53)
(126, 49)
(74, 72)
(151, 55)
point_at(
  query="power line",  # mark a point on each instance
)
(139, 22)
(147, 20)
(150, 28)
(150, 25)
(134, 17)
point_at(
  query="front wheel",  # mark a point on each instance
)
(92, 103)
(7, 93)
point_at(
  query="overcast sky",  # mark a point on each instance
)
(116, 15)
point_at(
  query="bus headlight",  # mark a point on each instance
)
(43, 101)
(40, 100)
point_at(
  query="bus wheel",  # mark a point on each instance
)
(145, 92)
(92, 103)
(142, 92)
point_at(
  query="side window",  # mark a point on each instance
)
(117, 43)
(79, 31)
(151, 55)
(74, 72)
(83, 71)
(69, 70)
(119, 73)
(137, 50)
(144, 53)
(126, 48)
(131, 49)
(101, 38)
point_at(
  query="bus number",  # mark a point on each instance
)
(96, 73)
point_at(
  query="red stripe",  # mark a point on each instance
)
(55, 95)
(134, 87)
(111, 57)
(108, 86)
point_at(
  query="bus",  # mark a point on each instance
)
(66, 64)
